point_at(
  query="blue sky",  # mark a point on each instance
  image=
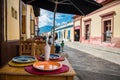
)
(46, 19)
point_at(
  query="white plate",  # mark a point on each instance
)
(52, 56)
(23, 59)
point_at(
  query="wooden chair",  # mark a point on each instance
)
(52, 49)
(27, 48)
(39, 49)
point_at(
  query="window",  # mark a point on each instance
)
(64, 33)
(59, 33)
(107, 26)
(23, 24)
(68, 34)
(107, 30)
(87, 24)
(32, 25)
(87, 32)
(13, 13)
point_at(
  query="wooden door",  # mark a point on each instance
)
(23, 24)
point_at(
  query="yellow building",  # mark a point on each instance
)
(101, 27)
(17, 23)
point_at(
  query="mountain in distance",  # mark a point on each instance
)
(45, 29)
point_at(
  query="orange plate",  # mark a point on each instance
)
(47, 65)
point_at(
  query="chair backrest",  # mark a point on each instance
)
(40, 47)
(26, 48)
(52, 49)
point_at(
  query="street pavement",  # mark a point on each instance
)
(90, 66)
(107, 53)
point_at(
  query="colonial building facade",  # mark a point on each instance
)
(17, 23)
(102, 26)
(65, 32)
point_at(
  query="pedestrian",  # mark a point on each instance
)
(57, 46)
(62, 45)
(50, 41)
(44, 38)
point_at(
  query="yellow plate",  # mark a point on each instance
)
(47, 65)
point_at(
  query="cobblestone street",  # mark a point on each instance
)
(89, 67)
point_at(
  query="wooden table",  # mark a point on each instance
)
(18, 73)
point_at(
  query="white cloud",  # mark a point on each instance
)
(46, 18)
(58, 16)
(63, 22)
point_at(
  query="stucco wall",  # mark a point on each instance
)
(96, 21)
(66, 34)
(96, 25)
(117, 21)
(77, 23)
(72, 34)
(65, 28)
(12, 23)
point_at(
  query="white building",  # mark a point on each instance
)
(65, 32)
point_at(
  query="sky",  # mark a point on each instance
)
(46, 20)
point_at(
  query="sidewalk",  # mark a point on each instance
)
(110, 54)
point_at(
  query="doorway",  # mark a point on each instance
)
(87, 32)
(77, 35)
(107, 31)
